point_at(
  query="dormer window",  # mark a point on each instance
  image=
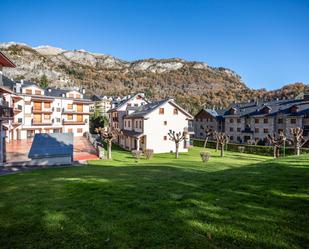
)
(232, 111)
(29, 91)
(161, 111)
(71, 95)
(37, 92)
(294, 109)
(175, 111)
(266, 110)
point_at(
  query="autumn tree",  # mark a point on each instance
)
(177, 137)
(298, 139)
(277, 142)
(108, 134)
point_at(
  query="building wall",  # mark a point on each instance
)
(157, 132)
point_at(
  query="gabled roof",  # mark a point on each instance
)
(51, 145)
(144, 110)
(5, 61)
(124, 101)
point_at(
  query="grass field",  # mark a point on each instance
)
(240, 201)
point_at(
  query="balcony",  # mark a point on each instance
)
(6, 113)
(73, 122)
(42, 110)
(74, 111)
(41, 122)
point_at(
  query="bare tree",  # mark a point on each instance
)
(222, 139)
(298, 139)
(108, 135)
(177, 137)
(208, 134)
(216, 137)
(277, 142)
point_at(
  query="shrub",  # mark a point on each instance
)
(137, 154)
(241, 149)
(148, 153)
(205, 156)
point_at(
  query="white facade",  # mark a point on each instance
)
(150, 131)
(35, 112)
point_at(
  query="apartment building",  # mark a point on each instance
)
(103, 103)
(50, 110)
(255, 120)
(146, 126)
(6, 111)
(119, 110)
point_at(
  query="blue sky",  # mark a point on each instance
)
(266, 42)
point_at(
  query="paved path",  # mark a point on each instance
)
(18, 150)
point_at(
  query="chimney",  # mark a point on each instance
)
(49, 89)
(83, 91)
(21, 82)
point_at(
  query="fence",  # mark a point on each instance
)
(251, 149)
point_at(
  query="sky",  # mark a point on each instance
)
(266, 42)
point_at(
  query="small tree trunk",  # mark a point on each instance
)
(177, 153)
(217, 145)
(222, 150)
(205, 143)
(275, 153)
(109, 154)
(297, 150)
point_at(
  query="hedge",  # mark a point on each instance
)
(251, 149)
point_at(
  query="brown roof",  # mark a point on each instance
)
(5, 61)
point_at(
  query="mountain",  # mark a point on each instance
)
(193, 84)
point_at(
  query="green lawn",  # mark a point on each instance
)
(240, 201)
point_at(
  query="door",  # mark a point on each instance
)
(37, 106)
(79, 108)
(79, 118)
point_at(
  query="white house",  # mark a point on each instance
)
(146, 126)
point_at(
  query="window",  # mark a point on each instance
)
(29, 91)
(175, 111)
(79, 108)
(129, 104)
(46, 116)
(79, 130)
(238, 139)
(58, 110)
(265, 120)
(70, 106)
(79, 118)
(37, 92)
(70, 130)
(19, 120)
(231, 120)
(125, 123)
(256, 120)
(140, 124)
(231, 138)
(265, 130)
(280, 120)
(256, 130)
(70, 117)
(165, 138)
(238, 129)
(58, 120)
(165, 122)
(46, 104)
(238, 120)
(293, 120)
(280, 130)
(37, 106)
(135, 105)
(129, 123)
(161, 111)
(136, 123)
(71, 95)
(78, 96)
(231, 129)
